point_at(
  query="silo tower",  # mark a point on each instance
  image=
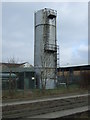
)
(45, 47)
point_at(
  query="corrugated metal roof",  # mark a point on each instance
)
(12, 64)
(83, 67)
(18, 69)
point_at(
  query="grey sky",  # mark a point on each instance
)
(72, 31)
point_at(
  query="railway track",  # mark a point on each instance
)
(43, 106)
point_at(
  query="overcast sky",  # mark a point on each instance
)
(72, 31)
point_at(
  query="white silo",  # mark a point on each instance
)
(45, 47)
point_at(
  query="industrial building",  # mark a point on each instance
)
(24, 78)
(45, 48)
(19, 76)
(73, 73)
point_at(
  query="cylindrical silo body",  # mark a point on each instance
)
(45, 47)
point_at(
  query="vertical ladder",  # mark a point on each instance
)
(57, 56)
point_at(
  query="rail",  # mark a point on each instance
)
(43, 106)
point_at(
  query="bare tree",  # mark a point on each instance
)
(12, 81)
(43, 73)
(12, 60)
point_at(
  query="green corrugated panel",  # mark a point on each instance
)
(26, 83)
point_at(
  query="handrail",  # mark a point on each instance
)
(52, 47)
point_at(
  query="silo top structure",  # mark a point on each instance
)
(45, 47)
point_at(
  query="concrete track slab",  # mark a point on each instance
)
(63, 113)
